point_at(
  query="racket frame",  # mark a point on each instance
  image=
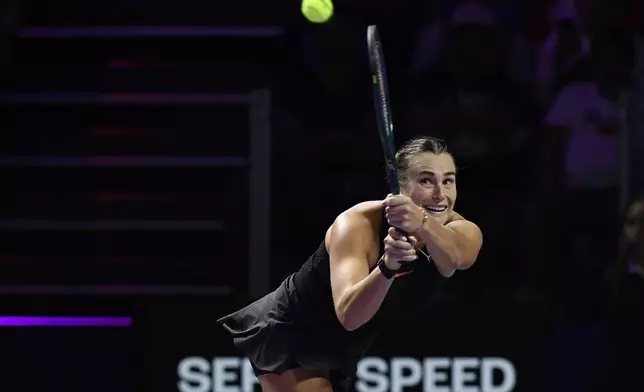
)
(382, 105)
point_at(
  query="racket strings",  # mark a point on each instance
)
(381, 87)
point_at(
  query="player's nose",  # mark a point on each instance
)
(438, 194)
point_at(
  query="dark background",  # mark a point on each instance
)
(116, 204)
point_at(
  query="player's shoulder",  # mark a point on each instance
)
(456, 218)
(368, 209)
(453, 217)
(357, 225)
(366, 215)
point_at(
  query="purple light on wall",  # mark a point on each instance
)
(41, 321)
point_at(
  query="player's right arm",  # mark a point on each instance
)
(357, 294)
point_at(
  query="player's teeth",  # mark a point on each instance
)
(436, 208)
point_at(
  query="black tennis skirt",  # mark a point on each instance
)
(274, 342)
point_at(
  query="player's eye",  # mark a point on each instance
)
(449, 181)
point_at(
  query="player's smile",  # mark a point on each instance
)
(435, 209)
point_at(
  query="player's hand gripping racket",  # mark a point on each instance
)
(382, 107)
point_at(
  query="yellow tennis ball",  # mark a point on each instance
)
(317, 11)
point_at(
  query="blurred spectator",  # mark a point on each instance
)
(466, 72)
(580, 159)
(521, 58)
(634, 233)
(566, 44)
(432, 35)
(429, 39)
(627, 318)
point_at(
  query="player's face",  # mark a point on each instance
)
(431, 183)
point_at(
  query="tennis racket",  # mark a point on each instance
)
(381, 105)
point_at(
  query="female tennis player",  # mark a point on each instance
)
(309, 333)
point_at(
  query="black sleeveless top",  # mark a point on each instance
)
(311, 304)
(296, 325)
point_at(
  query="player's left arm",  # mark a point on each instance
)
(454, 246)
